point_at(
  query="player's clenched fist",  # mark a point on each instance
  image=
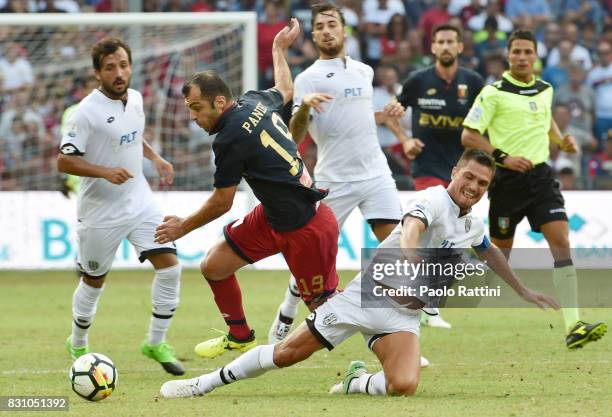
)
(412, 147)
(117, 175)
(170, 230)
(314, 100)
(569, 144)
(394, 109)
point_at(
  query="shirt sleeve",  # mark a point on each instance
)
(229, 165)
(370, 72)
(273, 99)
(481, 242)
(480, 115)
(477, 84)
(423, 208)
(301, 87)
(407, 96)
(75, 135)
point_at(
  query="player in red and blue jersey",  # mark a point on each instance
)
(252, 142)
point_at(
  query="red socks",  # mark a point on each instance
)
(229, 301)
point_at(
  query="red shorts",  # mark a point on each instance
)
(422, 183)
(310, 251)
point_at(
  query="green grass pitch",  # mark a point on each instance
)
(494, 362)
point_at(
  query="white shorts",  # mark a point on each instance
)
(342, 316)
(98, 246)
(377, 198)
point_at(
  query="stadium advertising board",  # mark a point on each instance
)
(38, 230)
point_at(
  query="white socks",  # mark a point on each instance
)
(253, 363)
(165, 298)
(373, 384)
(84, 305)
(292, 299)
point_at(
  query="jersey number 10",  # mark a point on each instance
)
(268, 141)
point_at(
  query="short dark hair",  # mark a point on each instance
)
(491, 23)
(319, 8)
(480, 156)
(524, 34)
(210, 84)
(106, 47)
(440, 28)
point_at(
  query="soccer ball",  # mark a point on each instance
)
(93, 376)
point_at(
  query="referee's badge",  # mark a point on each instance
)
(533, 106)
(504, 224)
(468, 225)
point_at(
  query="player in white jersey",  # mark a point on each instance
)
(332, 100)
(437, 218)
(103, 143)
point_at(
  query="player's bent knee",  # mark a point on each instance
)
(286, 355)
(402, 385)
(95, 282)
(209, 271)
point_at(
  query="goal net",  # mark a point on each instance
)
(46, 68)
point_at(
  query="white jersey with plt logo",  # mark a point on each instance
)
(345, 132)
(108, 133)
(444, 227)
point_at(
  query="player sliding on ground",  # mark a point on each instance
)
(253, 142)
(437, 216)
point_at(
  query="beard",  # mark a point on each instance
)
(115, 91)
(447, 60)
(332, 50)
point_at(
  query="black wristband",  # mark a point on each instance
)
(499, 155)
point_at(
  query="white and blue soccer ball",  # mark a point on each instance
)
(93, 376)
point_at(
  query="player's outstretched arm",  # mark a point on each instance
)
(282, 73)
(393, 110)
(163, 167)
(173, 227)
(298, 125)
(412, 147)
(566, 143)
(471, 138)
(412, 227)
(75, 165)
(411, 230)
(496, 260)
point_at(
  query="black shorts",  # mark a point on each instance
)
(514, 195)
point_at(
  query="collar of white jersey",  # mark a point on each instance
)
(456, 208)
(99, 93)
(335, 62)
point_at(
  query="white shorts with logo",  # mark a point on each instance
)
(342, 316)
(97, 247)
(377, 198)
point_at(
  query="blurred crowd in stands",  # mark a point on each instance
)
(393, 36)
